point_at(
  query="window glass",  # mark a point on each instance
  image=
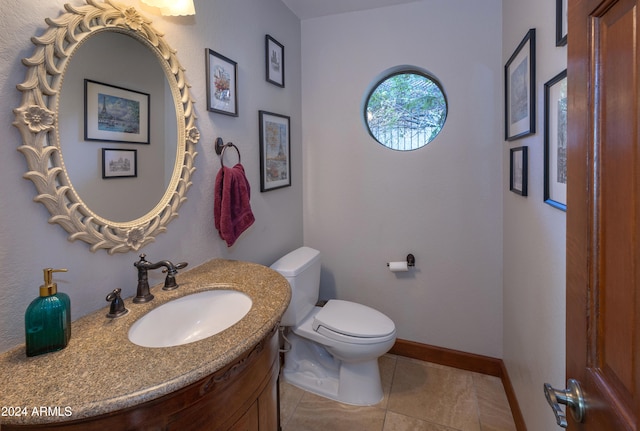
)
(406, 110)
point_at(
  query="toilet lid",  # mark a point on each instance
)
(353, 319)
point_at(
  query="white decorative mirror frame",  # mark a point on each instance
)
(37, 116)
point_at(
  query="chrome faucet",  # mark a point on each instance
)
(143, 265)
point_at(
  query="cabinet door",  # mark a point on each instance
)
(249, 421)
(269, 404)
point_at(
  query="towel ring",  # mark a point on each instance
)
(223, 150)
(221, 147)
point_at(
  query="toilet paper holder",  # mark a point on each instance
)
(411, 260)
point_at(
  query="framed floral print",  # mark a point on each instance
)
(222, 84)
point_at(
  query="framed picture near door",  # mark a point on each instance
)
(561, 22)
(555, 141)
(520, 90)
(518, 171)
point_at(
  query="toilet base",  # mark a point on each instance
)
(311, 367)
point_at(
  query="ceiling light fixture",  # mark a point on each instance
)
(173, 7)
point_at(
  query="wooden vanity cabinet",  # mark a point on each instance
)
(240, 397)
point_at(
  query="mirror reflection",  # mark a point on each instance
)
(115, 212)
(127, 91)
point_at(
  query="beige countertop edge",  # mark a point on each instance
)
(101, 371)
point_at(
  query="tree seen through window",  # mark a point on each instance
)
(406, 110)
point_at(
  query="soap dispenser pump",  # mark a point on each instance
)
(48, 318)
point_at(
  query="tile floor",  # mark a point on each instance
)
(418, 396)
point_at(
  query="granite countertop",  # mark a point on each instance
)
(101, 371)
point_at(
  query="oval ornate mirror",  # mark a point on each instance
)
(58, 130)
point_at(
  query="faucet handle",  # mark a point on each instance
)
(174, 268)
(117, 308)
(170, 280)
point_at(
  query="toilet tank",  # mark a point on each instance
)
(301, 268)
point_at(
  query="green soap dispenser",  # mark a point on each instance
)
(48, 318)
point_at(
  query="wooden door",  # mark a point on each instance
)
(603, 212)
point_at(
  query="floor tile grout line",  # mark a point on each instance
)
(426, 421)
(475, 394)
(393, 375)
(295, 407)
(386, 409)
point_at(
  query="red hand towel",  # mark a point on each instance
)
(231, 207)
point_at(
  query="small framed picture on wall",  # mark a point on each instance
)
(555, 141)
(518, 171)
(222, 84)
(274, 57)
(561, 22)
(520, 89)
(118, 163)
(275, 151)
(115, 114)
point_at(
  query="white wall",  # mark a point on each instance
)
(236, 29)
(365, 205)
(534, 238)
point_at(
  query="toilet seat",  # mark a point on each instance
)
(351, 322)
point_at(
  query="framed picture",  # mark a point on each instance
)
(274, 57)
(222, 84)
(561, 22)
(555, 141)
(518, 171)
(117, 163)
(520, 89)
(275, 151)
(115, 114)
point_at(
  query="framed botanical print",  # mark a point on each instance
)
(222, 84)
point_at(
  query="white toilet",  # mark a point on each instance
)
(333, 350)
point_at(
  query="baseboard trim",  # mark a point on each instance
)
(464, 361)
(513, 401)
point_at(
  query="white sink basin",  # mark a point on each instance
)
(190, 318)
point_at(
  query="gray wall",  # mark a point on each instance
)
(365, 205)
(234, 28)
(534, 238)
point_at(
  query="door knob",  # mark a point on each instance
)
(571, 397)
